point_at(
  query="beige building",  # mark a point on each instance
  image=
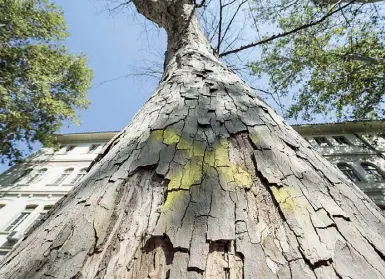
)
(30, 189)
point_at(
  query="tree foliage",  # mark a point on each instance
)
(335, 67)
(41, 83)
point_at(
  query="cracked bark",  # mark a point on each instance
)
(205, 182)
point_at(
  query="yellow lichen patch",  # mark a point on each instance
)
(286, 197)
(226, 173)
(209, 158)
(172, 197)
(209, 170)
(235, 174)
(184, 143)
(254, 139)
(175, 176)
(221, 152)
(198, 149)
(242, 178)
(157, 135)
(170, 137)
(192, 172)
(184, 177)
(196, 160)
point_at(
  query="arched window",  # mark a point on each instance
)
(372, 172)
(37, 176)
(23, 215)
(348, 171)
(63, 176)
(79, 176)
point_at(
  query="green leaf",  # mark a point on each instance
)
(42, 84)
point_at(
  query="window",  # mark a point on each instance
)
(348, 171)
(341, 140)
(40, 216)
(79, 176)
(48, 207)
(17, 221)
(63, 176)
(372, 172)
(37, 220)
(1, 206)
(322, 141)
(7, 245)
(31, 207)
(69, 148)
(24, 174)
(93, 147)
(37, 176)
(23, 215)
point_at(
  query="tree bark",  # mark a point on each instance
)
(206, 182)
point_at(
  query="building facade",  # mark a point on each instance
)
(356, 148)
(28, 190)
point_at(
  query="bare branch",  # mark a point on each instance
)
(276, 100)
(220, 25)
(120, 6)
(202, 4)
(231, 21)
(284, 34)
(364, 58)
(230, 3)
(328, 2)
(139, 72)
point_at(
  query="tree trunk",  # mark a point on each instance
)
(206, 182)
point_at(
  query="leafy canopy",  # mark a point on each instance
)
(335, 67)
(41, 83)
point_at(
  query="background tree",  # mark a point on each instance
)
(320, 58)
(207, 181)
(41, 84)
(330, 58)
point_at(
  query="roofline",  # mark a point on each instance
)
(86, 137)
(367, 126)
(304, 129)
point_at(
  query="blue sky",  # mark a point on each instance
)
(115, 45)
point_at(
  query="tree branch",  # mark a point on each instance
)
(220, 25)
(231, 21)
(202, 4)
(328, 2)
(284, 34)
(120, 5)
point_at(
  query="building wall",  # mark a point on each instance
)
(17, 194)
(360, 150)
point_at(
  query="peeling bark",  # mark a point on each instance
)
(206, 182)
